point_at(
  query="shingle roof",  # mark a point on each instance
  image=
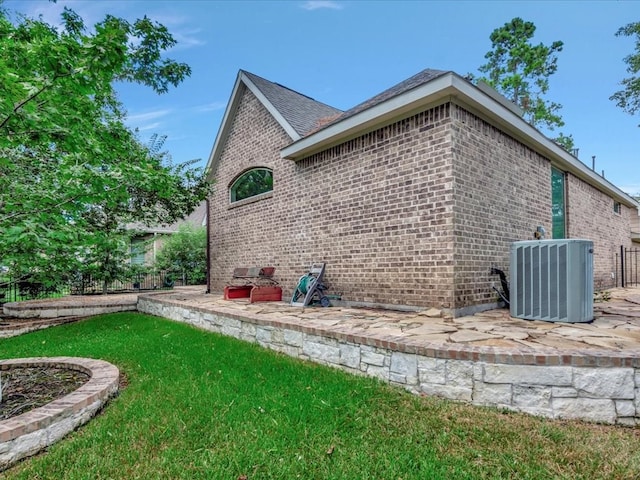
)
(301, 112)
(415, 81)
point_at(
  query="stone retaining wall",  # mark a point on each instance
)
(588, 387)
(74, 306)
(31, 432)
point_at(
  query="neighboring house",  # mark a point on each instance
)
(410, 197)
(148, 241)
(635, 229)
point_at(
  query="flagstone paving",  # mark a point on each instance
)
(616, 326)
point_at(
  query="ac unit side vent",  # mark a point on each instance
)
(552, 280)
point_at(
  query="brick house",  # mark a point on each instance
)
(410, 197)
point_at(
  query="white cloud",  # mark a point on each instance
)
(149, 126)
(317, 4)
(211, 107)
(176, 24)
(187, 39)
(144, 117)
(148, 120)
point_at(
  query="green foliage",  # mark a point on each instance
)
(106, 258)
(629, 97)
(520, 71)
(565, 142)
(184, 254)
(64, 148)
(601, 296)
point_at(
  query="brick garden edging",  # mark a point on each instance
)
(31, 432)
(599, 386)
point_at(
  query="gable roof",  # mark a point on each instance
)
(296, 113)
(298, 110)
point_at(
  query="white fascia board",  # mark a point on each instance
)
(529, 135)
(269, 106)
(379, 114)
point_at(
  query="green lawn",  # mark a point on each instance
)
(198, 405)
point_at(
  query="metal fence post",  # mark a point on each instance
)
(622, 259)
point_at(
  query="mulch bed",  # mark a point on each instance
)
(26, 388)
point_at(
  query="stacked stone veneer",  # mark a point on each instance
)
(411, 213)
(600, 388)
(31, 432)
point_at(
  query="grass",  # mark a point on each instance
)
(199, 405)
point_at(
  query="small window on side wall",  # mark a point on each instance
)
(251, 183)
(617, 207)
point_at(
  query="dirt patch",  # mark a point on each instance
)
(26, 388)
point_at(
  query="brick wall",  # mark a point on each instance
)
(385, 224)
(590, 215)
(248, 234)
(377, 209)
(502, 192)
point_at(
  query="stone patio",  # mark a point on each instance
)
(616, 327)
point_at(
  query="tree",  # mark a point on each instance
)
(65, 152)
(565, 142)
(520, 71)
(629, 97)
(185, 254)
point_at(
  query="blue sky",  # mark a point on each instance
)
(343, 52)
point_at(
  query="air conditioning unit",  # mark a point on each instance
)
(552, 280)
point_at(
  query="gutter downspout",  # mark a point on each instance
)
(208, 248)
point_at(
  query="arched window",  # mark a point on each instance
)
(251, 183)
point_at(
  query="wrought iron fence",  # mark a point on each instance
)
(627, 268)
(25, 289)
(87, 285)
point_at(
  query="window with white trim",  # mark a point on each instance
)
(251, 183)
(617, 207)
